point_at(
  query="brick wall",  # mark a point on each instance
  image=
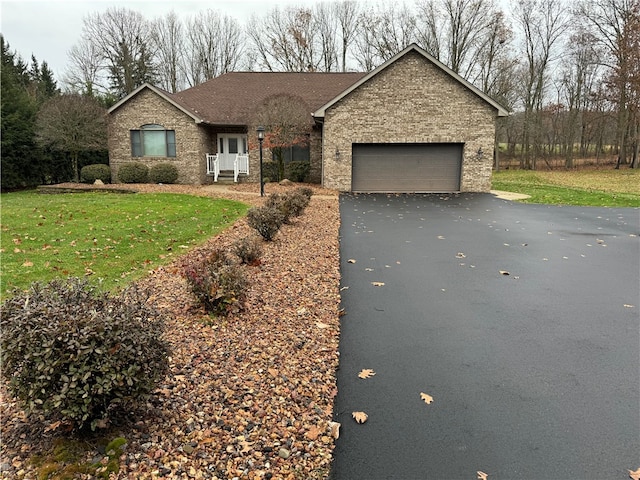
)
(411, 101)
(192, 141)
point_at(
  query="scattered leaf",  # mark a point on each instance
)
(366, 373)
(334, 428)
(16, 250)
(344, 288)
(27, 264)
(634, 475)
(626, 305)
(428, 399)
(460, 255)
(482, 475)
(504, 272)
(440, 237)
(53, 426)
(322, 325)
(377, 284)
(359, 417)
(369, 269)
(313, 433)
(351, 260)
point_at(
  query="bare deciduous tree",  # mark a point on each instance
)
(542, 23)
(286, 40)
(384, 31)
(213, 46)
(123, 41)
(168, 35)
(72, 123)
(346, 12)
(84, 73)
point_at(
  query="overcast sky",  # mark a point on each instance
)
(48, 29)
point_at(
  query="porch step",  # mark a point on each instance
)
(227, 179)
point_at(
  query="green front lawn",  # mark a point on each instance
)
(111, 238)
(604, 188)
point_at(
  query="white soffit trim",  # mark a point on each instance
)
(502, 112)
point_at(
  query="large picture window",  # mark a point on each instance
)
(153, 141)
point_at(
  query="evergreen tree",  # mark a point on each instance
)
(17, 116)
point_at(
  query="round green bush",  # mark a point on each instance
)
(163, 173)
(73, 353)
(134, 172)
(97, 171)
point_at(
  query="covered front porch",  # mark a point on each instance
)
(230, 159)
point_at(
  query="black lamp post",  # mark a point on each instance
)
(260, 131)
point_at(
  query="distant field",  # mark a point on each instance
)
(108, 237)
(604, 187)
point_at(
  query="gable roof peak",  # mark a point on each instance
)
(413, 47)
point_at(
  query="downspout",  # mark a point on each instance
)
(320, 121)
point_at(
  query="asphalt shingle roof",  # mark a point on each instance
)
(233, 98)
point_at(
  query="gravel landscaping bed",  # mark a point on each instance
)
(247, 396)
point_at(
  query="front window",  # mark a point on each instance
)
(153, 141)
(295, 153)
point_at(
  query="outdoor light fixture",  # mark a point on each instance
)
(260, 131)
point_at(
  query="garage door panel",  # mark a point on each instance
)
(406, 167)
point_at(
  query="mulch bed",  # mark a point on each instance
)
(247, 396)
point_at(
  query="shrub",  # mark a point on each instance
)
(306, 191)
(297, 171)
(218, 283)
(133, 172)
(74, 353)
(163, 173)
(98, 171)
(290, 204)
(270, 172)
(249, 250)
(266, 220)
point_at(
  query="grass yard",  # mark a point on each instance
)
(606, 188)
(112, 238)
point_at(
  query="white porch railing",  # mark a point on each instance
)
(213, 166)
(240, 165)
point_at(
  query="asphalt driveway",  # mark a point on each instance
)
(521, 321)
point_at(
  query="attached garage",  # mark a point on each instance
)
(412, 125)
(404, 168)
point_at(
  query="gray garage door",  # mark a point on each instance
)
(406, 168)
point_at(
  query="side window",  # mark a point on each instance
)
(153, 141)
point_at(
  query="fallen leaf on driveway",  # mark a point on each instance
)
(366, 373)
(504, 272)
(428, 399)
(359, 417)
(460, 255)
(626, 305)
(635, 475)
(482, 475)
(351, 260)
(334, 428)
(377, 284)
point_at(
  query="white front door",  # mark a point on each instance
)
(229, 145)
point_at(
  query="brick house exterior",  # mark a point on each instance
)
(412, 99)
